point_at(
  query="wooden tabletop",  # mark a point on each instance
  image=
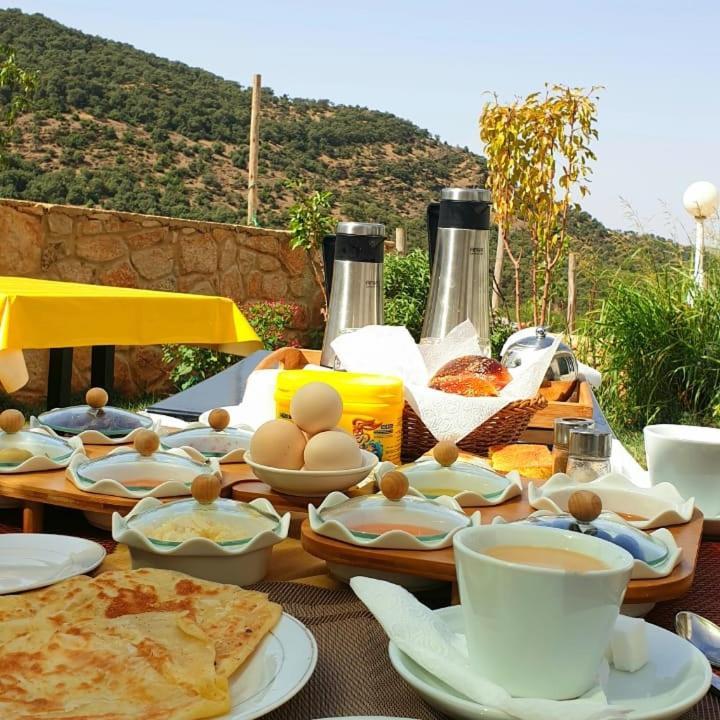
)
(51, 487)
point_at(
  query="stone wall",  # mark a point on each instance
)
(60, 242)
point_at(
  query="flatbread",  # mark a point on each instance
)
(236, 620)
(155, 666)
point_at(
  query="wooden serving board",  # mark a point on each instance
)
(440, 564)
(540, 428)
(51, 487)
(250, 488)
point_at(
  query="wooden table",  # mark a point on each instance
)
(440, 564)
(51, 487)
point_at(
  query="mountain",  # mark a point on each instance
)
(119, 128)
(114, 127)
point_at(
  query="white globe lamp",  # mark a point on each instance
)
(701, 201)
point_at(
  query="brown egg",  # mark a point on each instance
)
(332, 450)
(278, 444)
(316, 407)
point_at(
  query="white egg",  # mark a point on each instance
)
(316, 407)
(278, 444)
(332, 450)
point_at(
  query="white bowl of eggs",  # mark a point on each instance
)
(308, 455)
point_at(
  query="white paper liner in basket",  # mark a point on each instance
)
(93, 437)
(659, 506)
(466, 498)
(36, 463)
(392, 539)
(641, 570)
(124, 533)
(389, 350)
(170, 488)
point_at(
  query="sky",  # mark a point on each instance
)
(433, 62)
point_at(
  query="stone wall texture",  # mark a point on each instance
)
(61, 242)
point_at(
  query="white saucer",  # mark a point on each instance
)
(35, 560)
(277, 670)
(676, 678)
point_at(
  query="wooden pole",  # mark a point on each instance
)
(400, 240)
(253, 159)
(497, 272)
(571, 294)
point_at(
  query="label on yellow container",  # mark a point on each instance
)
(372, 406)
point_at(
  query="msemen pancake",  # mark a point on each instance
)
(236, 620)
(152, 666)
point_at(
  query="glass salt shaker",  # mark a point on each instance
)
(588, 454)
(561, 438)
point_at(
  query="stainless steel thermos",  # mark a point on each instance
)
(356, 282)
(460, 275)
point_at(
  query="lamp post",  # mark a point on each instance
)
(701, 201)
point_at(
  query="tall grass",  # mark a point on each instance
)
(657, 342)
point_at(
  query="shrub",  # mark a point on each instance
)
(271, 320)
(406, 281)
(192, 364)
(659, 354)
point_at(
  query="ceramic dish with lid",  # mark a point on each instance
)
(95, 423)
(644, 508)
(313, 483)
(214, 440)
(205, 536)
(31, 450)
(656, 554)
(458, 475)
(391, 519)
(141, 471)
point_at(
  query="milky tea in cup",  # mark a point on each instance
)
(539, 606)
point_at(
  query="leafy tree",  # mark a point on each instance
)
(16, 88)
(310, 220)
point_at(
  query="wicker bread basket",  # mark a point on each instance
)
(503, 428)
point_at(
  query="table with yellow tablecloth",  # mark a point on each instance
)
(39, 314)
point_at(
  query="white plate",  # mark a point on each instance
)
(35, 560)
(674, 680)
(276, 671)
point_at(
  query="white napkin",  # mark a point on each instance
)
(622, 462)
(424, 637)
(391, 350)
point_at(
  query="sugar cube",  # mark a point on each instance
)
(628, 644)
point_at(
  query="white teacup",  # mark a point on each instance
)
(687, 457)
(538, 632)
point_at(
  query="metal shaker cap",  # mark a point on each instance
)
(360, 228)
(589, 443)
(563, 426)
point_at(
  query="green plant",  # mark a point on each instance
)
(271, 320)
(406, 282)
(16, 88)
(500, 330)
(192, 364)
(659, 354)
(310, 220)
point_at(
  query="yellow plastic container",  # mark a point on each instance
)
(372, 406)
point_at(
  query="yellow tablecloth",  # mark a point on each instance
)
(49, 314)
